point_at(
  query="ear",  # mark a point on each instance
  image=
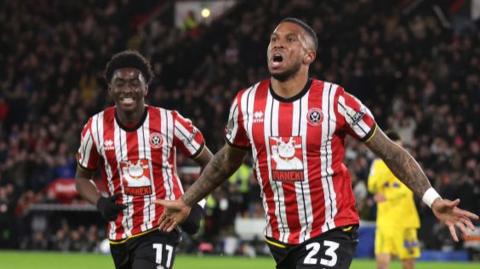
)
(309, 57)
(145, 92)
(109, 90)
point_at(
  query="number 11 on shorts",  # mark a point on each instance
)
(159, 255)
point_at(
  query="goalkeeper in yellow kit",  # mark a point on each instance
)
(397, 217)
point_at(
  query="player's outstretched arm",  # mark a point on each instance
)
(407, 169)
(219, 169)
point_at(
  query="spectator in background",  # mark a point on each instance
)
(7, 216)
(61, 241)
(4, 109)
(239, 184)
(190, 24)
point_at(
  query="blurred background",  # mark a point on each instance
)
(414, 63)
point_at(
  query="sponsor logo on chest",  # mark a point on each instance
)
(135, 176)
(287, 158)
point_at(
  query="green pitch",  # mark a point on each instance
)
(56, 260)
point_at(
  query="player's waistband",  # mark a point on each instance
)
(279, 244)
(155, 229)
(121, 241)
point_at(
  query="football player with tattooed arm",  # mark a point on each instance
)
(134, 146)
(295, 127)
(397, 217)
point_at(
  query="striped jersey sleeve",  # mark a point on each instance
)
(87, 154)
(358, 119)
(186, 136)
(235, 133)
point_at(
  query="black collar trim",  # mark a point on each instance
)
(293, 98)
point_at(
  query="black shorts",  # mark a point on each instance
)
(146, 251)
(333, 249)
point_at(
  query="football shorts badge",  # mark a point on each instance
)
(314, 116)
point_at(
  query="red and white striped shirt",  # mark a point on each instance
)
(298, 150)
(139, 163)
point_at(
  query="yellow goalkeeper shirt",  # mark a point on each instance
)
(399, 208)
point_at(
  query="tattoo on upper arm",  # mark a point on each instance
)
(220, 167)
(400, 162)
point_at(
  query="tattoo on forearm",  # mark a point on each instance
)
(222, 166)
(401, 163)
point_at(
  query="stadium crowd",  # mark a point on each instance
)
(419, 76)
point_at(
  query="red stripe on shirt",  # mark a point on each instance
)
(109, 134)
(314, 142)
(346, 212)
(241, 138)
(156, 119)
(138, 201)
(285, 114)
(258, 134)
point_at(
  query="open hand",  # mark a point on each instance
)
(448, 213)
(175, 212)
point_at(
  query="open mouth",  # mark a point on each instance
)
(277, 58)
(127, 100)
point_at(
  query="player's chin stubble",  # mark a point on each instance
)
(287, 74)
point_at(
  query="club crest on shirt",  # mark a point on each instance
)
(136, 177)
(287, 158)
(314, 116)
(156, 140)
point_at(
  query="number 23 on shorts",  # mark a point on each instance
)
(330, 254)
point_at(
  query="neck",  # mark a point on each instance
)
(291, 86)
(130, 119)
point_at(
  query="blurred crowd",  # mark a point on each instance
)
(417, 71)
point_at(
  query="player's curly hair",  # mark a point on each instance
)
(129, 58)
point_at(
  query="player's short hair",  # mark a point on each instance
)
(393, 135)
(305, 27)
(129, 58)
